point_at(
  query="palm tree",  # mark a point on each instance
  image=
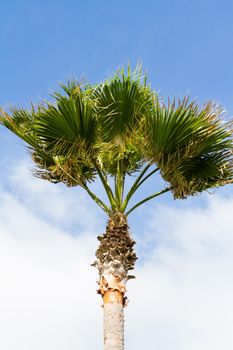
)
(113, 131)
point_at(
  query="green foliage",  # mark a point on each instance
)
(50, 164)
(115, 127)
(191, 146)
(120, 105)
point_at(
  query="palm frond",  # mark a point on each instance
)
(49, 165)
(191, 146)
(68, 127)
(120, 105)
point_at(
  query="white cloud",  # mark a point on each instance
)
(183, 293)
(58, 204)
(181, 299)
(47, 293)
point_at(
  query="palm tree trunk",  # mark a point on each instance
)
(113, 321)
(115, 257)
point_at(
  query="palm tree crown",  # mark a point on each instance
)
(121, 127)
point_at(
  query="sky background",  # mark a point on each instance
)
(182, 297)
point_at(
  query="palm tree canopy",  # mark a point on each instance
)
(117, 127)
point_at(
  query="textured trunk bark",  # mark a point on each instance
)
(115, 257)
(113, 321)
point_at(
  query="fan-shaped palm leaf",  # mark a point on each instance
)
(120, 104)
(50, 165)
(68, 127)
(190, 145)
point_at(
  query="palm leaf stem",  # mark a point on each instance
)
(134, 186)
(119, 184)
(146, 177)
(106, 186)
(97, 200)
(91, 194)
(123, 187)
(147, 199)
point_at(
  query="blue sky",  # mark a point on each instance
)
(185, 47)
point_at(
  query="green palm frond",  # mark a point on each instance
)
(49, 165)
(191, 146)
(19, 122)
(68, 127)
(120, 105)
